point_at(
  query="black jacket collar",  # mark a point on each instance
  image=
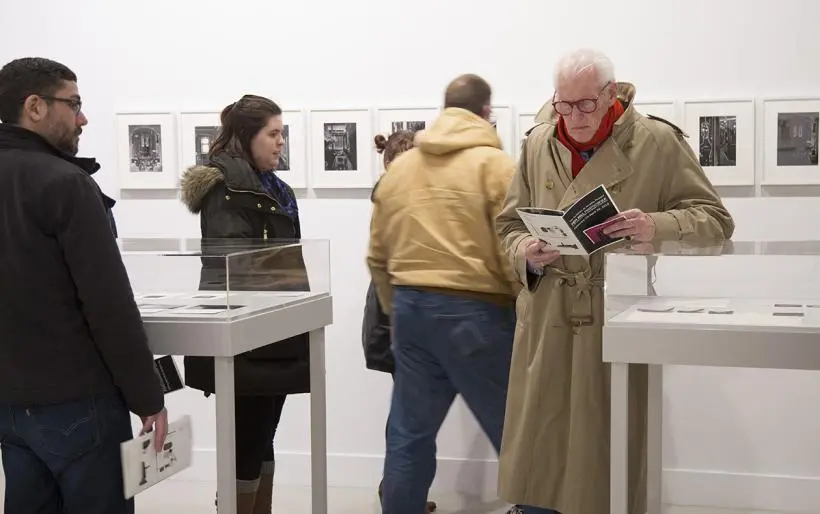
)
(14, 137)
(239, 175)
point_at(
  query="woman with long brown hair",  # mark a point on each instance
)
(238, 195)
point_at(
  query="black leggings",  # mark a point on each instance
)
(256, 420)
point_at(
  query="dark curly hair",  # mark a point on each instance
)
(28, 76)
(393, 145)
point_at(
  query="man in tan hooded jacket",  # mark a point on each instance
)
(555, 450)
(436, 262)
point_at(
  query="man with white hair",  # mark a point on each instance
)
(555, 449)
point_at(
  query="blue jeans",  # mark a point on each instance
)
(65, 458)
(443, 345)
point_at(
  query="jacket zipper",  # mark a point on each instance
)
(265, 226)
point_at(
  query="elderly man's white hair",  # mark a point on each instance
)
(583, 59)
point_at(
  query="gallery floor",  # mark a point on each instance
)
(173, 497)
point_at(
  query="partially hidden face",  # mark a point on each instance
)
(267, 144)
(62, 120)
(584, 87)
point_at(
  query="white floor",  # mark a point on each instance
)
(175, 497)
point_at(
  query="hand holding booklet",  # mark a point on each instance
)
(143, 465)
(579, 229)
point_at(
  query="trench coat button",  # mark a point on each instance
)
(273, 209)
(259, 205)
(549, 184)
(227, 197)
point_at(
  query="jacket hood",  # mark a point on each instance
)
(547, 114)
(195, 184)
(456, 129)
(235, 172)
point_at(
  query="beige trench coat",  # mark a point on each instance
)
(555, 450)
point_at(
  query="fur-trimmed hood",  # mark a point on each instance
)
(196, 183)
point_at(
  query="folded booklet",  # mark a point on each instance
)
(143, 466)
(579, 229)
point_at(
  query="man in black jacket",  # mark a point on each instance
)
(74, 357)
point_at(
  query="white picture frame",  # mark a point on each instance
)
(293, 164)
(155, 164)
(666, 109)
(526, 121)
(197, 133)
(727, 161)
(505, 127)
(349, 162)
(390, 119)
(790, 141)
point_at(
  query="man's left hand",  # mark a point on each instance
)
(637, 226)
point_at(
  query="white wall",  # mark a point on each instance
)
(734, 437)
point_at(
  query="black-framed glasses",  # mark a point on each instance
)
(73, 103)
(584, 105)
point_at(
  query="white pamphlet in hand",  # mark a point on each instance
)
(579, 229)
(143, 466)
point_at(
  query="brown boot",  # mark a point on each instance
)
(431, 507)
(245, 503)
(264, 495)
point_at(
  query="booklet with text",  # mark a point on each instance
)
(579, 229)
(143, 466)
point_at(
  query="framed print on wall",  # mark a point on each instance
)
(722, 134)
(198, 131)
(502, 115)
(293, 166)
(389, 120)
(667, 110)
(341, 142)
(526, 121)
(147, 151)
(790, 141)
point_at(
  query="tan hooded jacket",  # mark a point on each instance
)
(433, 221)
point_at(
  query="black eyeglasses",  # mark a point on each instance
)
(585, 105)
(73, 103)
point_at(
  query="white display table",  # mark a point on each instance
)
(254, 320)
(744, 333)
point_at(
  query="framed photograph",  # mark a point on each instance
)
(667, 110)
(293, 166)
(198, 131)
(790, 141)
(526, 121)
(147, 151)
(722, 134)
(502, 116)
(389, 120)
(341, 148)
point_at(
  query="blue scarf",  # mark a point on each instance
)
(276, 187)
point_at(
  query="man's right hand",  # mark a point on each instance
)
(158, 424)
(540, 254)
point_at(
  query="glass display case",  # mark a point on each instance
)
(747, 286)
(223, 280)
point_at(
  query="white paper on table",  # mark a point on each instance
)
(143, 466)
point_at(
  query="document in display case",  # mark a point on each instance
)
(737, 285)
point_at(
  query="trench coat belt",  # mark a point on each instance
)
(578, 299)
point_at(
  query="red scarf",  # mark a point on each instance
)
(603, 132)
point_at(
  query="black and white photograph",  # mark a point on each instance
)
(204, 138)
(412, 126)
(284, 157)
(718, 141)
(797, 138)
(145, 148)
(340, 147)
